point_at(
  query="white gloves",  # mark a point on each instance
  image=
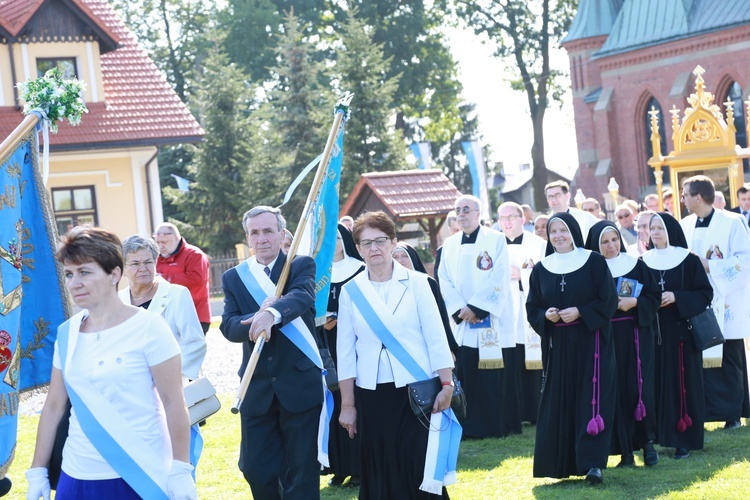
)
(180, 484)
(38, 483)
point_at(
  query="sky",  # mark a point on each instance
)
(504, 113)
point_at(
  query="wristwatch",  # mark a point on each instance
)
(450, 383)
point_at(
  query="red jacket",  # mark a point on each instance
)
(188, 266)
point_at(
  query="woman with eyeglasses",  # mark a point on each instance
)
(173, 302)
(634, 328)
(570, 305)
(390, 335)
(685, 292)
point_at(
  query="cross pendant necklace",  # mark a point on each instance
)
(562, 283)
(661, 281)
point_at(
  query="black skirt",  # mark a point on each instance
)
(393, 445)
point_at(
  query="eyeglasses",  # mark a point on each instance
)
(465, 210)
(623, 216)
(161, 234)
(379, 242)
(685, 195)
(509, 218)
(554, 196)
(137, 265)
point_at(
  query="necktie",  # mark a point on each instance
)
(267, 271)
(744, 214)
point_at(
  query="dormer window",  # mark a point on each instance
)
(66, 65)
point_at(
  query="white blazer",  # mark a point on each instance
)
(413, 318)
(174, 303)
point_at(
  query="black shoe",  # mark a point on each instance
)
(337, 481)
(733, 424)
(681, 453)
(594, 476)
(354, 482)
(650, 457)
(5, 486)
(626, 461)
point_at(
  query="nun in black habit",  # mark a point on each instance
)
(570, 304)
(634, 336)
(343, 452)
(685, 292)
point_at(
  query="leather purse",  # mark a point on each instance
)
(422, 396)
(200, 396)
(705, 330)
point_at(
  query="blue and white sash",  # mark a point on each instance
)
(260, 287)
(110, 433)
(445, 431)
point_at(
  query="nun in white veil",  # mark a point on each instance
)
(570, 304)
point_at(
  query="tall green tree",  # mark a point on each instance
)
(217, 198)
(295, 119)
(522, 32)
(173, 32)
(371, 145)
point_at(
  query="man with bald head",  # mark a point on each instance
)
(186, 265)
(475, 283)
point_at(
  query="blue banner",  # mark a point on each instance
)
(423, 154)
(33, 300)
(319, 238)
(475, 157)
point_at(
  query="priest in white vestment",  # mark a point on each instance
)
(720, 240)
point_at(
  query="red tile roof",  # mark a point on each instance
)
(139, 108)
(406, 194)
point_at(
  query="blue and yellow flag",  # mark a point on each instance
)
(319, 239)
(33, 300)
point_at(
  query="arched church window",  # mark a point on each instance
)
(654, 104)
(734, 94)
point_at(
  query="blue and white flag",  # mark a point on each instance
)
(182, 183)
(33, 299)
(319, 238)
(475, 155)
(423, 154)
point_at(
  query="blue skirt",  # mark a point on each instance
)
(80, 489)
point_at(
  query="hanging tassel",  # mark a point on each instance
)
(593, 427)
(640, 411)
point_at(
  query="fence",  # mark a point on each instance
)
(218, 264)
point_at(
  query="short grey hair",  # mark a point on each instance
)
(169, 225)
(136, 243)
(471, 198)
(264, 209)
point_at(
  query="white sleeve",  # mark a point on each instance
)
(732, 273)
(160, 342)
(188, 332)
(346, 362)
(431, 324)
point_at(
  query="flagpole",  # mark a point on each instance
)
(15, 137)
(341, 110)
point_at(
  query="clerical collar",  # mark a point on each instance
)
(621, 265)
(562, 263)
(467, 239)
(705, 221)
(516, 241)
(662, 259)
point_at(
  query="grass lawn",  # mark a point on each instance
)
(490, 468)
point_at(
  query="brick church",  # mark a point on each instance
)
(627, 56)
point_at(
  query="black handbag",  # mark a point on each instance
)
(422, 396)
(705, 330)
(332, 378)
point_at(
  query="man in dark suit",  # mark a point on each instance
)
(743, 198)
(280, 412)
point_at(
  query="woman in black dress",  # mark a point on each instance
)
(343, 453)
(570, 305)
(634, 329)
(685, 292)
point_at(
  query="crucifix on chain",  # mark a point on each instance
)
(562, 284)
(661, 281)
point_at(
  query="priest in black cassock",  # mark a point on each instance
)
(685, 292)
(634, 329)
(570, 306)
